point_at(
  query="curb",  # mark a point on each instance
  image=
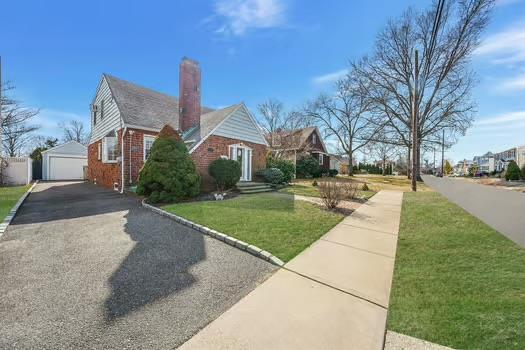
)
(7, 221)
(234, 242)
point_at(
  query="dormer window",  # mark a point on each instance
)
(314, 139)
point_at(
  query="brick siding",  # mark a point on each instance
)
(106, 174)
(216, 146)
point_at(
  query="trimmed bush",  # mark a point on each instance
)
(286, 166)
(314, 183)
(272, 175)
(513, 172)
(169, 174)
(308, 167)
(365, 187)
(333, 172)
(225, 172)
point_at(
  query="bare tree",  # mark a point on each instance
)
(346, 116)
(16, 130)
(444, 80)
(74, 130)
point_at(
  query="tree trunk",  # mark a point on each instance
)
(409, 163)
(418, 164)
(350, 163)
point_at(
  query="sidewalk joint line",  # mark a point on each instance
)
(338, 289)
(361, 249)
(368, 228)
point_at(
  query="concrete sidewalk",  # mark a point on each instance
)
(334, 295)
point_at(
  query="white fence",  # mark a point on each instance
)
(19, 171)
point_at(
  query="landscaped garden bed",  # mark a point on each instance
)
(271, 221)
(457, 282)
(8, 198)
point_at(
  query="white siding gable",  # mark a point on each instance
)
(240, 126)
(111, 119)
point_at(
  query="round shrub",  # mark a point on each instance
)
(225, 172)
(308, 167)
(286, 166)
(365, 187)
(513, 171)
(333, 172)
(273, 175)
(169, 174)
(315, 184)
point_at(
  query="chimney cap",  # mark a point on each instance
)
(190, 60)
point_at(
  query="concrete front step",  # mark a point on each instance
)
(253, 187)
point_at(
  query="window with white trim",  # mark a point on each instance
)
(110, 149)
(99, 151)
(321, 159)
(148, 142)
(314, 139)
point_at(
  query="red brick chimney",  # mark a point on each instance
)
(189, 94)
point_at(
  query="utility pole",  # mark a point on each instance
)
(415, 153)
(1, 120)
(443, 154)
(434, 168)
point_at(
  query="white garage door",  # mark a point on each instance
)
(62, 168)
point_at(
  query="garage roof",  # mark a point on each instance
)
(70, 147)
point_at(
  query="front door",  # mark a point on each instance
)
(243, 155)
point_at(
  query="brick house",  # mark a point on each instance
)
(292, 145)
(125, 119)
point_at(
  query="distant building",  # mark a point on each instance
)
(485, 163)
(462, 167)
(516, 154)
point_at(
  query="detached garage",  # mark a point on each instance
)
(64, 162)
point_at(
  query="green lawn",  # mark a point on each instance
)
(305, 188)
(457, 282)
(8, 198)
(271, 221)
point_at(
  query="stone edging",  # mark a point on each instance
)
(14, 210)
(258, 252)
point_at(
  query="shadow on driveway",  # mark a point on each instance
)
(156, 267)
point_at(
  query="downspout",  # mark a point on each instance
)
(122, 160)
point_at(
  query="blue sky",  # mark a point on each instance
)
(249, 50)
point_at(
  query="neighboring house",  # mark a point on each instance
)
(516, 154)
(462, 167)
(126, 118)
(340, 163)
(292, 145)
(485, 163)
(65, 162)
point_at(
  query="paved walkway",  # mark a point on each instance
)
(501, 209)
(334, 295)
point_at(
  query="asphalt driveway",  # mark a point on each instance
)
(501, 209)
(86, 267)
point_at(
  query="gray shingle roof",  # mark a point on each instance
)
(144, 107)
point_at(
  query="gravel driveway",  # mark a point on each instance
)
(86, 267)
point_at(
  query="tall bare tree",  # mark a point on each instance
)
(445, 79)
(383, 149)
(346, 116)
(16, 127)
(74, 130)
